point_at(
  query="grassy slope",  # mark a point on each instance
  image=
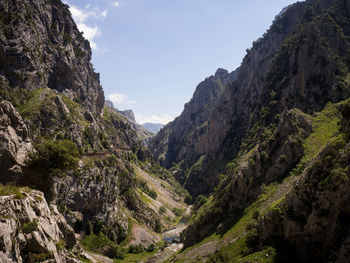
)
(325, 128)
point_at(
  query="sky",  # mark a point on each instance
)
(151, 54)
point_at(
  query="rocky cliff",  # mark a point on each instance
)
(179, 142)
(143, 134)
(300, 62)
(57, 136)
(277, 155)
(31, 230)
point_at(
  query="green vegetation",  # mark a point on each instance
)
(135, 258)
(102, 244)
(18, 192)
(54, 158)
(60, 245)
(324, 127)
(200, 200)
(79, 53)
(162, 209)
(29, 226)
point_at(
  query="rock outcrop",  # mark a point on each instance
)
(15, 144)
(41, 46)
(33, 231)
(181, 140)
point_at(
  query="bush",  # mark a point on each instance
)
(252, 238)
(256, 215)
(200, 200)
(152, 194)
(188, 199)
(178, 211)
(158, 226)
(115, 251)
(53, 158)
(135, 249)
(29, 227)
(151, 248)
(162, 209)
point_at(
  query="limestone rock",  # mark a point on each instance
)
(30, 229)
(15, 144)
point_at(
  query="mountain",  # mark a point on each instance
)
(75, 178)
(275, 169)
(153, 127)
(178, 141)
(143, 134)
(129, 114)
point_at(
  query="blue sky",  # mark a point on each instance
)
(151, 54)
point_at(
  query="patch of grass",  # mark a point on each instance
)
(128, 233)
(324, 127)
(238, 248)
(60, 245)
(94, 242)
(134, 258)
(29, 226)
(32, 107)
(267, 255)
(18, 192)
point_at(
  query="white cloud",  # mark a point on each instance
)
(116, 4)
(120, 99)
(83, 19)
(164, 118)
(117, 98)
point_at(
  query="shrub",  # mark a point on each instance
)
(29, 227)
(54, 157)
(256, 215)
(188, 199)
(115, 251)
(158, 226)
(252, 238)
(152, 194)
(135, 249)
(178, 211)
(151, 248)
(200, 200)
(67, 38)
(162, 209)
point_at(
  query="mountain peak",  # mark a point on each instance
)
(221, 72)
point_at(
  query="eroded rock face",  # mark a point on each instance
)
(15, 144)
(181, 139)
(31, 230)
(40, 45)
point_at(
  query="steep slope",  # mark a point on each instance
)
(300, 62)
(143, 134)
(283, 156)
(57, 136)
(177, 142)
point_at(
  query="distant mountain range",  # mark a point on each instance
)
(153, 127)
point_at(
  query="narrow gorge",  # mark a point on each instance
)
(255, 169)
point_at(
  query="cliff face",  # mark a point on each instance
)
(180, 141)
(42, 47)
(300, 62)
(57, 136)
(275, 135)
(31, 230)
